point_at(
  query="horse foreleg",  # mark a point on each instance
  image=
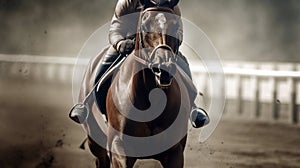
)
(102, 159)
(117, 155)
(173, 158)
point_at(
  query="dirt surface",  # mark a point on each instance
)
(36, 133)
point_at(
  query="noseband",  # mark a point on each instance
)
(148, 62)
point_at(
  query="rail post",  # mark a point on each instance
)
(293, 103)
(257, 81)
(257, 96)
(275, 103)
(240, 95)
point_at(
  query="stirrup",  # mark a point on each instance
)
(199, 117)
(79, 113)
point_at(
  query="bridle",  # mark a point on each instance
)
(147, 61)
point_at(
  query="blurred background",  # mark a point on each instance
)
(258, 41)
(256, 30)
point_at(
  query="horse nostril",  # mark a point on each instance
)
(156, 69)
(164, 73)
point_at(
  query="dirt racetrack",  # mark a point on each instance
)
(36, 133)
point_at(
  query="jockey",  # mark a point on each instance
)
(122, 44)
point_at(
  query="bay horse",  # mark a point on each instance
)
(147, 103)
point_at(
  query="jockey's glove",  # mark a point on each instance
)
(125, 46)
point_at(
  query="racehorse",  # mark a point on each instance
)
(149, 83)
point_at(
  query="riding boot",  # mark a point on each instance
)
(79, 113)
(100, 97)
(106, 62)
(198, 116)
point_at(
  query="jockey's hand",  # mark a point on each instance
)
(125, 46)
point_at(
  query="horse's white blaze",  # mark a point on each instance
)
(161, 19)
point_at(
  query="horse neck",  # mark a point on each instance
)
(141, 84)
(136, 76)
(144, 80)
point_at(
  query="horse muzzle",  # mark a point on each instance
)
(164, 73)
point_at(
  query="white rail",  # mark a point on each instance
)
(258, 76)
(41, 68)
(251, 72)
(195, 68)
(55, 69)
(42, 59)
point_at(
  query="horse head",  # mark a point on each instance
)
(158, 42)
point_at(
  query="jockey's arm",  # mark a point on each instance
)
(123, 24)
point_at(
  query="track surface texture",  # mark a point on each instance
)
(36, 132)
